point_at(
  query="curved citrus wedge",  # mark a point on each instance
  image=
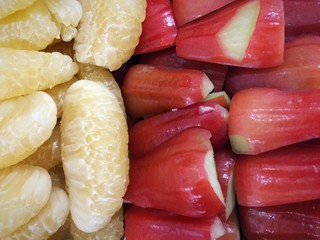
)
(94, 149)
(35, 71)
(67, 14)
(100, 74)
(26, 122)
(114, 230)
(10, 6)
(48, 155)
(109, 31)
(30, 29)
(51, 217)
(24, 191)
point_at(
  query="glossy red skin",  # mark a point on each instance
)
(150, 89)
(197, 40)
(173, 177)
(299, 71)
(282, 176)
(232, 227)
(301, 17)
(159, 28)
(266, 119)
(168, 58)
(225, 161)
(295, 221)
(141, 224)
(188, 10)
(149, 133)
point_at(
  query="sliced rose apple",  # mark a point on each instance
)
(285, 175)
(187, 10)
(299, 71)
(149, 133)
(168, 58)
(232, 227)
(178, 176)
(225, 161)
(262, 119)
(141, 224)
(294, 221)
(150, 89)
(301, 18)
(248, 33)
(159, 28)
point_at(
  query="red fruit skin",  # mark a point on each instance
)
(173, 177)
(168, 58)
(187, 10)
(299, 71)
(301, 18)
(263, 119)
(225, 161)
(295, 221)
(150, 90)
(141, 224)
(285, 175)
(198, 40)
(149, 133)
(159, 28)
(232, 227)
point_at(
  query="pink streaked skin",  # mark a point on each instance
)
(209, 39)
(159, 28)
(301, 18)
(147, 134)
(148, 223)
(225, 161)
(263, 119)
(188, 10)
(178, 176)
(300, 69)
(149, 90)
(168, 58)
(294, 221)
(282, 176)
(232, 227)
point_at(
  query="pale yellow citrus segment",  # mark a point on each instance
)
(26, 122)
(234, 37)
(24, 71)
(67, 14)
(57, 93)
(96, 73)
(109, 31)
(32, 28)
(114, 230)
(48, 155)
(8, 7)
(24, 191)
(51, 217)
(94, 149)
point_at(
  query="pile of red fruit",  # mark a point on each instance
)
(224, 101)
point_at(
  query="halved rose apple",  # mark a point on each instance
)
(263, 119)
(246, 33)
(178, 176)
(285, 175)
(148, 223)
